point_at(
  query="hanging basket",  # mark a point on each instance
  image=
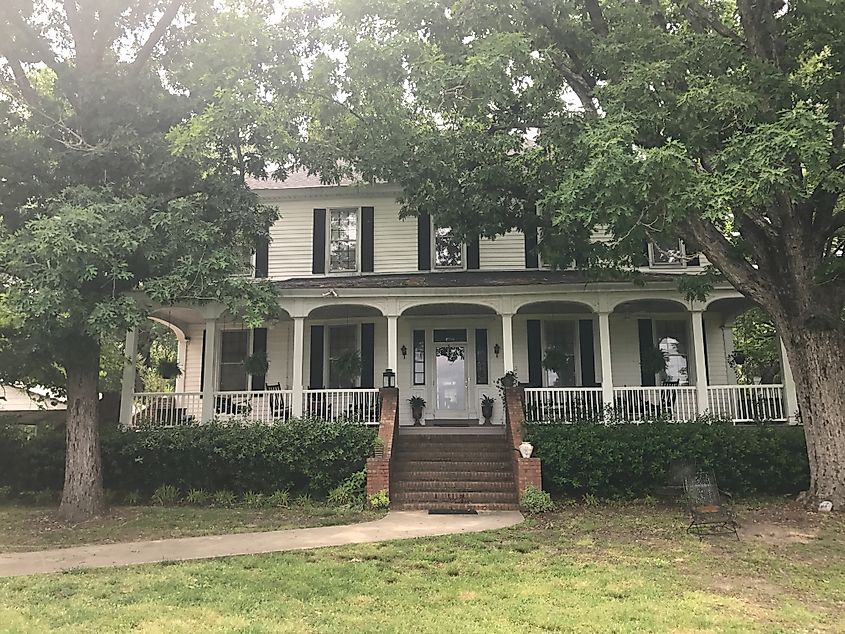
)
(168, 369)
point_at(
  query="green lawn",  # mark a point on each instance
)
(585, 569)
(31, 528)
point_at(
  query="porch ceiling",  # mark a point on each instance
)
(650, 306)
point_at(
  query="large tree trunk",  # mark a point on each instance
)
(817, 356)
(82, 497)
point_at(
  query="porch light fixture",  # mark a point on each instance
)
(389, 377)
(496, 350)
(404, 350)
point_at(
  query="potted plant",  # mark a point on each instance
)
(347, 368)
(508, 380)
(417, 406)
(487, 408)
(653, 361)
(256, 364)
(168, 369)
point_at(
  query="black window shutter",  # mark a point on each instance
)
(646, 344)
(535, 354)
(473, 254)
(481, 370)
(367, 239)
(202, 364)
(588, 359)
(316, 374)
(532, 259)
(262, 257)
(424, 242)
(368, 360)
(259, 346)
(318, 262)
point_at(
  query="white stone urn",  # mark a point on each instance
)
(526, 449)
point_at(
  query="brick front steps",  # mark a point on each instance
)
(466, 471)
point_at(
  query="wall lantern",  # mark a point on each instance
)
(404, 350)
(496, 350)
(389, 377)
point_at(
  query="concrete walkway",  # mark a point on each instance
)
(396, 525)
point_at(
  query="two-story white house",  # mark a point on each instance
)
(362, 291)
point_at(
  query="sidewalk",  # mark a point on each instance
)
(396, 525)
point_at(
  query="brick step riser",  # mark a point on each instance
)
(425, 506)
(425, 442)
(456, 465)
(453, 476)
(451, 458)
(477, 497)
(453, 487)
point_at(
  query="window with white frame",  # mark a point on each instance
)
(668, 252)
(234, 346)
(671, 337)
(448, 249)
(344, 357)
(559, 353)
(343, 240)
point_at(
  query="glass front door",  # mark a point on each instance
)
(451, 365)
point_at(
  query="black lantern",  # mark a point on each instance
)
(404, 350)
(389, 377)
(496, 350)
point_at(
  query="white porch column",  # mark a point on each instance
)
(181, 358)
(209, 369)
(298, 354)
(700, 354)
(127, 386)
(606, 360)
(507, 342)
(392, 341)
(790, 394)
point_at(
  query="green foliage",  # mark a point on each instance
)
(224, 498)
(347, 367)
(417, 402)
(631, 461)
(197, 497)
(253, 500)
(168, 369)
(756, 348)
(165, 495)
(256, 364)
(535, 500)
(5, 493)
(378, 447)
(379, 501)
(299, 455)
(134, 498)
(303, 500)
(653, 361)
(279, 499)
(350, 493)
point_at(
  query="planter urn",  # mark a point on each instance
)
(526, 449)
(487, 413)
(416, 414)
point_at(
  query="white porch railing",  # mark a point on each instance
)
(359, 405)
(747, 403)
(263, 406)
(166, 409)
(635, 404)
(563, 404)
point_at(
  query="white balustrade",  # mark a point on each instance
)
(563, 404)
(636, 404)
(263, 406)
(747, 403)
(358, 405)
(166, 409)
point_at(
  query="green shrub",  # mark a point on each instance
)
(535, 500)
(5, 493)
(350, 493)
(197, 497)
(279, 499)
(631, 461)
(303, 500)
(165, 495)
(134, 498)
(253, 500)
(299, 455)
(225, 498)
(380, 500)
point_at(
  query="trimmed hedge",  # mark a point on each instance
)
(630, 461)
(301, 455)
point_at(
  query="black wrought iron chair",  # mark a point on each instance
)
(232, 406)
(709, 512)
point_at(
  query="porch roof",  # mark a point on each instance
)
(448, 279)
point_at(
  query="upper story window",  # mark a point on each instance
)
(343, 240)
(669, 252)
(448, 249)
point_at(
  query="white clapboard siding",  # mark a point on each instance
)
(193, 359)
(394, 240)
(505, 253)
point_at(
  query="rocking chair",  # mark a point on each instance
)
(709, 513)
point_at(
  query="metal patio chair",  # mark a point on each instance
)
(709, 512)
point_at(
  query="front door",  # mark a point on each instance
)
(451, 374)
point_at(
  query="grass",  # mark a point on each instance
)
(584, 569)
(33, 528)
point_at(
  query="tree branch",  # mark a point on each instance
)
(597, 21)
(699, 15)
(21, 83)
(158, 33)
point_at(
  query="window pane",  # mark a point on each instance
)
(667, 251)
(233, 346)
(419, 357)
(343, 243)
(450, 334)
(672, 341)
(448, 250)
(232, 377)
(481, 372)
(344, 356)
(559, 353)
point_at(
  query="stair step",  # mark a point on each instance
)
(451, 486)
(474, 497)
(450, 506)
(457, 457)
(455, 476)
(454, 465)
